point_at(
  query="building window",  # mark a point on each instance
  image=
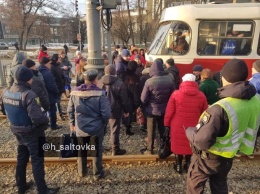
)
(225, 37)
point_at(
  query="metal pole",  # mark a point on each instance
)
(108, 37)
(2, 76)
(95, 60)
(80, 35)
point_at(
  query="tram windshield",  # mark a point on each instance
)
(172, 39)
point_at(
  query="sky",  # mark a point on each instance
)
(81, 5)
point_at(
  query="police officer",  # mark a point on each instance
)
(223, 129)
(28, 123)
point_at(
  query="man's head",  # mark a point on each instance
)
(206, 74)
(90, 76)
(23, 74)
(29, 64)
(62, 54)
(234, 70)
(138, 59)
(256, 67)
(110, 70)
(197, 69)
(125, 54)
(117, 47)
(46, 62)
(169, 62)
(44, 48)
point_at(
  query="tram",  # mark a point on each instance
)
(208, 34)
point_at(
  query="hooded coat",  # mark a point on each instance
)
(157, 90)
(183, 110)
(17, 62)
(119, 101)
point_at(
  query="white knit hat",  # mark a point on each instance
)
(188, 77)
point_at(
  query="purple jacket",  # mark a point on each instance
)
(157, 90)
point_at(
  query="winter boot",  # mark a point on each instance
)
(128, 131)
(187, 163)
(178, 165)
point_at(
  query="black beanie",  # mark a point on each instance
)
(44, 48)
(28, 63)
(44, 60)
(235, 70)
(23, 74)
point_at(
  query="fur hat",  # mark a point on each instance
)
(235, 70)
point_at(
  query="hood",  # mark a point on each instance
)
(86, 87)
(240, 90)
(108, 79)
(189, 88)
(156, 69)
(18, 59)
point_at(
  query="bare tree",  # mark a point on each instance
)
(42, 30)
(24, 14)
(130, 22)
(121, 27)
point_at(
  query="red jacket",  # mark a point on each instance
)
(42, 54)
(132, 58)
(183, 110)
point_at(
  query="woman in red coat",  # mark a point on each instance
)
(183, 110)
(43, 53)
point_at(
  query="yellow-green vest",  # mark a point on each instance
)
(244, 121)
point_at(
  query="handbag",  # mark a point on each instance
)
(68, 141)
(165, 145)
(140, 117)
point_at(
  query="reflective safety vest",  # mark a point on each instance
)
(15, 111)
(244, 121)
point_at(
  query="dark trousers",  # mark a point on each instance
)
(53, 116)
(28, 146)
(152, 121)
(97, 161)
(58, 104)
(215, 169)
(114, 133)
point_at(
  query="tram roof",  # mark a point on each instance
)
(193, 12)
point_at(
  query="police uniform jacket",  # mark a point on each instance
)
(38, 121)
(215, 122)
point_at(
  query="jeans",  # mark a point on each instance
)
(151, 126)
(114, 132)
(53, 116)
(97, 161)
(28, 146)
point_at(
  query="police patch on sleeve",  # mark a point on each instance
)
(206, 117)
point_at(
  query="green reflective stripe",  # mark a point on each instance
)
(226, 149)
(251, 131)
(237, 137)
(249, 143)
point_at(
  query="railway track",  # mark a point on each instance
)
(115, 160)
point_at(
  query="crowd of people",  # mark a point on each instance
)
(204, 112)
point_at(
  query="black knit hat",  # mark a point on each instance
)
(23, 74)
(28, 63)
(44, 48)
(132, 66)
(90, 74)
(44, 60)
(235, 70)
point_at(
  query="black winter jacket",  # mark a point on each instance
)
(50, 84)
(59, 77)
(119, 101)
(175, 73)
(38, 87)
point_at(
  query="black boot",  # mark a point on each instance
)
(187, 163)
(128, 131)
(178, 166)
(118, 152)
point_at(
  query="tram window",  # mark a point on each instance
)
(177, 40)
(225, 37)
